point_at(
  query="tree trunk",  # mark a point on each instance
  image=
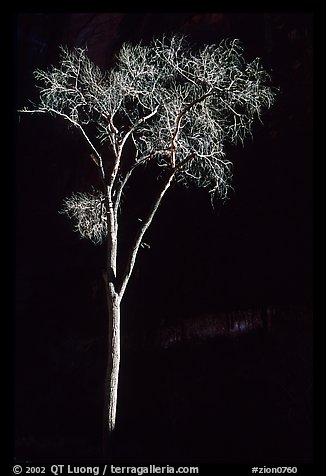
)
(112, 372)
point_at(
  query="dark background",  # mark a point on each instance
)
(226, 401)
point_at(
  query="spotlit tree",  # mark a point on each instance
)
(165, 104)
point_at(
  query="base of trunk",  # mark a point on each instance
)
(112, 375)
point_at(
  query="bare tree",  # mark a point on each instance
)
(173, 106)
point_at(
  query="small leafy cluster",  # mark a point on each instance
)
(88, 212)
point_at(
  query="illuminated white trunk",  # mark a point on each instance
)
(112, 371)
(113, 347)
(112, 379)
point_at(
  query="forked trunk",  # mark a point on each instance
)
(114, 295)
(112, 372)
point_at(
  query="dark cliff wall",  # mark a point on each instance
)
(253, 250)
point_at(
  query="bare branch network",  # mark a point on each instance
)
(179, 106)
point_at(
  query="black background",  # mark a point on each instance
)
(253, 250)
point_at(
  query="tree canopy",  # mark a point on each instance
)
(176, 104)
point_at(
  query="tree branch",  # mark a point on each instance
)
(134, 249)
(121, 146)
(75, 124)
